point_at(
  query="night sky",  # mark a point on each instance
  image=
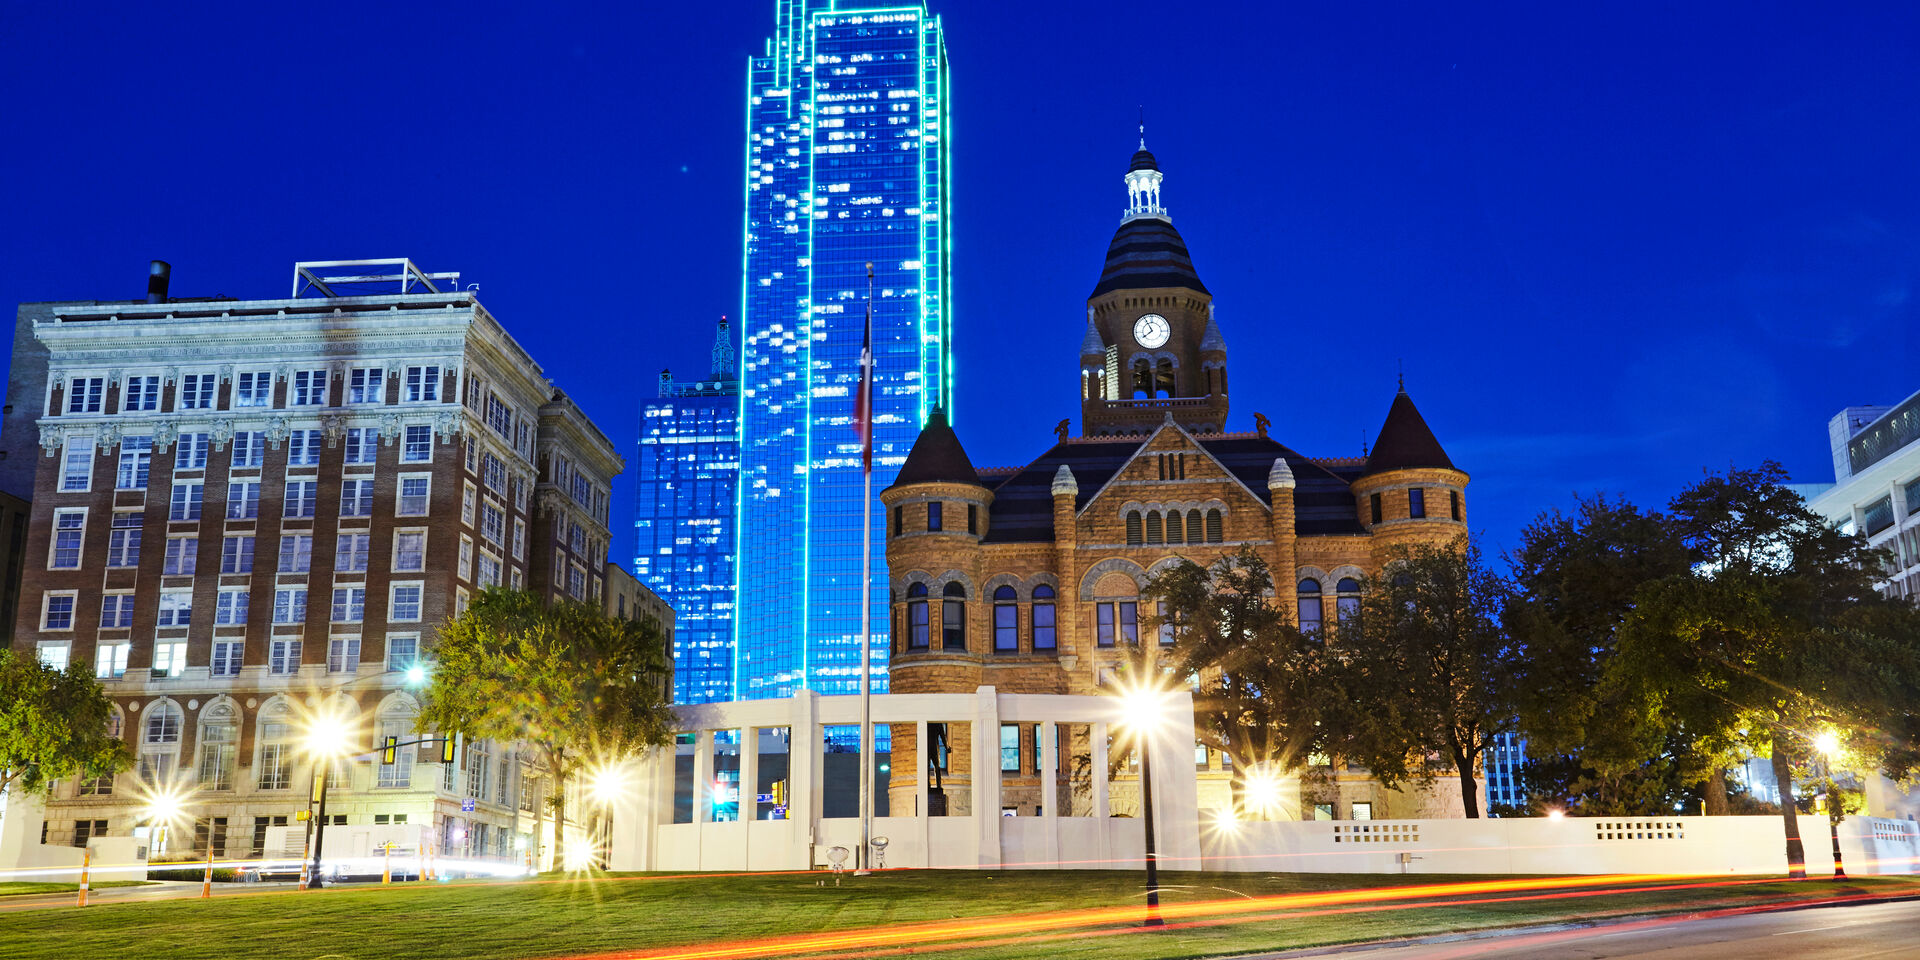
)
(1612, 246)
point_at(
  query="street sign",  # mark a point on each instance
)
(763, 798)
(779, 813)
(466, 806)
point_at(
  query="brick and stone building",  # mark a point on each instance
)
(248, 511)
(1028, 579)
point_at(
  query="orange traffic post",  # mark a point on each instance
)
(386, 868)
(206, 882)
(86, 861)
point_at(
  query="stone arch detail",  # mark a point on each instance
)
(1345, 570)
(1314, 572)
(997, 581)
(904, 580)
(955, 576)
(1110, 565)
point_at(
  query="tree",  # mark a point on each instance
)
(1577, 576)
(1776, 634)
(1269, 688)
(1428, 673)
(54, 724)
(577, 685)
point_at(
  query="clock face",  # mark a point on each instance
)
(1151, 331)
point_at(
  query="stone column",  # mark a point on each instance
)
(986, 776)
(1285, 563)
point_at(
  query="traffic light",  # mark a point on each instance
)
(391, 751)
(779, 793)
(446, 749)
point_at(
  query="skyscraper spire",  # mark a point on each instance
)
(722, 352)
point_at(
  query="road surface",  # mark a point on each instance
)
(1878, 931)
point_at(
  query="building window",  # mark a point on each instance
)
(243, 500)
(917, 620)
(1877, 516)
(1416, 503)
(160, 742)
(283, 655)
(1044, 637)
(363, 445)
(1167, 633)
(418, 446)
(181, 555)
(169, 657)
(190, 451)
(230, 607)
(405, 604)
(1155, 534)
(1006, 621)
(301, 499)
(1362, 811)
(303, 448)
(1009, 748)
(973, 518)
(410, 551)
(290, 605)
(254, 389)
(350, 552)
(195, 392)
(934, 516)
(467, 498)
(1347, 601)
(899, 520)
(76, 470)
(276, 749)
(349, 604)
(236, 554)
(1453, 501)
(296, 553)
(57, 614)
(1116, 622)
(356, 498)
(577, 582)
(249, 449)
(1310, 612)
(343, 653)
(1374, 502)
(1135, 536)
(403, 651)
(84, 394)
(140, 394)
(110, 659)
(953, 625)
(309, 388)
(219, 735)
(69, 531)
(493, 524)
(55, 656)
(1196, 529)
(519, 539)
(364, 385)
(489, 575)
(186, 501)
(136, 457)
(422, 385)
(399, 773)
(413, 496)
(176, 607)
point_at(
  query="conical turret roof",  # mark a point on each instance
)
(1405, 440)
(937, 456)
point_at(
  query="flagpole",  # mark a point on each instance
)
(866, 597)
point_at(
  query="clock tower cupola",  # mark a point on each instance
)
(1152, 347)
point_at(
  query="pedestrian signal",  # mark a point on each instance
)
(446, 749)
(391, 751)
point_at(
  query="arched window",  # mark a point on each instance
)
(1044, 638)
(1006, 621)
(953, 622)
(1142, 379)
(1347, 600)
(396, 720)
(1175, 531)
(1133, 528)
(276, 749)
(1310, 613)
(1214, 533)
(1163, 379)
(1195, 532)
(917, 628)
(219, 736)
(160, 742)
(1154, 532)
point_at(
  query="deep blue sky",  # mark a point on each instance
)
(1613, 245)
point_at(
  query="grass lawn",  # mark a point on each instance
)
(563, 917)
(21, 888)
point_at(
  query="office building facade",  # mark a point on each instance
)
(683, 518)
(252, 512)
(847, 165)
(1876, 489)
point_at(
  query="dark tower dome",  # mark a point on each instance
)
(1143, 160)
(1146, 253)
(937, 456)
(1405, 441)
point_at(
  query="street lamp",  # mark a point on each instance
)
(1827, 746)
(328, 739)
(1143, 706)
(165, 805)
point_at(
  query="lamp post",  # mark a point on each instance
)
(1827, 746)
(330, 739)
(1144, 705)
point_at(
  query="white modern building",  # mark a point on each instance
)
(1876, 488)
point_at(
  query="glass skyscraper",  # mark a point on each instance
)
(684, 515)
(846, 165)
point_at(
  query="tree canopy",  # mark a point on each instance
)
(577, 685)
(54, 724)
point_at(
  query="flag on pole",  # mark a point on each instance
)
(863, 398)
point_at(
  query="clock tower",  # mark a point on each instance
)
(1152, 348)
